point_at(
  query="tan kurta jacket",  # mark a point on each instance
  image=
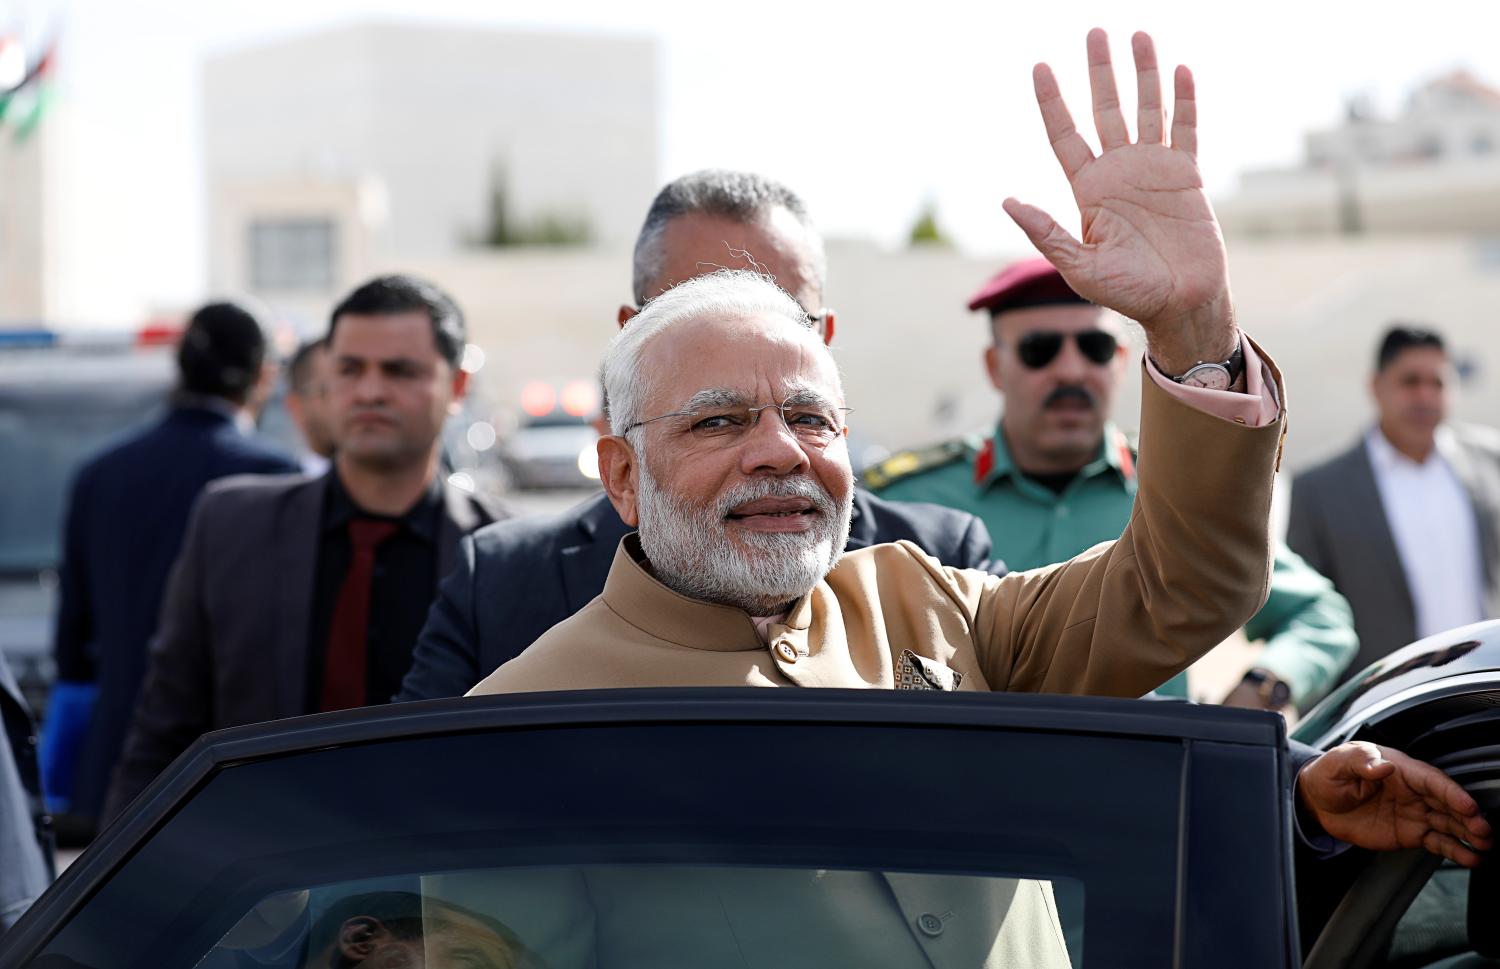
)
(1118, 620)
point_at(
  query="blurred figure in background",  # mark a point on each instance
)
(517, 580)
(1057, 476)
(307, 404)
(296, 595)
(1407, 522)
(126, 515)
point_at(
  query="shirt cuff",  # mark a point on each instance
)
(1256, 407)
(1322, 845)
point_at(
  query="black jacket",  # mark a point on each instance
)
(517, 579)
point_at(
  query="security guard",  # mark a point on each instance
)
(1057, 477)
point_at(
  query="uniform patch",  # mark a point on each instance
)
(915, 672)
(904, 464)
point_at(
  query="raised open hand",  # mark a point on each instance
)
(1151, 248)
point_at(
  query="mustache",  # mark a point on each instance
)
(798, 487)
(1069, 392)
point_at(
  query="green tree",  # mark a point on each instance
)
(926, 231)
(503, 230)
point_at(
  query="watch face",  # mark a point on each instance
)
(1209, 376)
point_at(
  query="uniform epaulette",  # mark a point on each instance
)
(904, 464)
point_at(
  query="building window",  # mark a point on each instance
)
(295, 254)
(1482, 143)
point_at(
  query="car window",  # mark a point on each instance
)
(653, 916)
(1435, 926)
(49, 437)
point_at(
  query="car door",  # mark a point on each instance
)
(704, 828)
(1437, 700)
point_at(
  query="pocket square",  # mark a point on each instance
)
(915, 672)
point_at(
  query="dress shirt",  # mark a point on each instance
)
(1437, 537)
(401, 589)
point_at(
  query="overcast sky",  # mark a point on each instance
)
(866, 116)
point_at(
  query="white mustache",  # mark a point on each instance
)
(757, 488)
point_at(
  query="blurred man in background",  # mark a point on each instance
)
(519, 579)
(1407, 522)
(295, 595)
(1057, 476)
(307, 404)
(126, 516)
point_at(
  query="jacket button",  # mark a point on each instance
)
(786, 652)
(930, 924)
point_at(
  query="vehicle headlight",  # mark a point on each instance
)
(588, 462)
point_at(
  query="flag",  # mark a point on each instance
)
(26, 103)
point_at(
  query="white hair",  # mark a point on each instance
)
(724, 294)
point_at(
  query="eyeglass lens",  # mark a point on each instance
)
(1040, 347)
(814, 423)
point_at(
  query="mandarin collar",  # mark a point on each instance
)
(632, 593)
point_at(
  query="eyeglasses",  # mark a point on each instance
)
(1040, 347)
(811, 419)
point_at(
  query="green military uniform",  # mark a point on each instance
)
(1307, 625)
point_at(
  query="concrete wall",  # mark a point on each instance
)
(433, 112)
(910, 352)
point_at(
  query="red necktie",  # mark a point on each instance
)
(344, 661)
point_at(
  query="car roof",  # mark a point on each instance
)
(1404, 696)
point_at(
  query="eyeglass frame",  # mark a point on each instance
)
(841, 428)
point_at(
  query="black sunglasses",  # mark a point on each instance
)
(1040, 347)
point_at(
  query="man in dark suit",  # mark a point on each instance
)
(126, 516)
(516, 580)
(1407, 522)
(293, 595)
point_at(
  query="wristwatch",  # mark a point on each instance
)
(1273, 692)
(1214, 376)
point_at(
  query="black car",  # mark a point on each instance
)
(778, 828)
(1437, 700)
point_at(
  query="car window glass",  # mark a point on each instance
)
(50, 443)
(1435, 926)
(652, 916)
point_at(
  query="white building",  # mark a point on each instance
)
(24, 245)
(1434, 168)
(335, 154)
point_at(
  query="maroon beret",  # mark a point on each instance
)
(1030, 282)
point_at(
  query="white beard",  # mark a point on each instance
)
(691, 552)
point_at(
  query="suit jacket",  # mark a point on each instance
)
(126, 516)
(231, 647)
(517, 579)
(1339, 526)
(1193, 565)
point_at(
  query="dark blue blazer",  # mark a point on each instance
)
(516, 579)
(126, 517)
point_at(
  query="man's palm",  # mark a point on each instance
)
(1382, 800)
(1151, 249)
(1150, 242)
